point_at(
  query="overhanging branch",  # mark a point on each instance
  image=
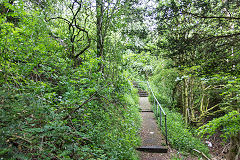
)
(222, 36)
(210, 17)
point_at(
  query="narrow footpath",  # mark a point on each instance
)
(151, 135)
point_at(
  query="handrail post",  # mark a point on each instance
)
(166, 129)
(154, 107)
(160, 118)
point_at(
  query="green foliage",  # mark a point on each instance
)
(45, 109)
(229, 124)
(230, 92)
(99, 130)
(139, 66)
(164, 83)
(202, 39)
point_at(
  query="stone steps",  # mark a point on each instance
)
(152, 140)
(143, 94)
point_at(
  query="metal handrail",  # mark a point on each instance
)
(158, 108)
(156, 98)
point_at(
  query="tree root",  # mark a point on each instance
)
(202, 154)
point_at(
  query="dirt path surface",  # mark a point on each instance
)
(150, 134)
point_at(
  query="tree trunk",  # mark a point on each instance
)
(234, 151)
(186, 104)
(191, 99)
(99, 8)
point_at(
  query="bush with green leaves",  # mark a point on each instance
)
(229, 125)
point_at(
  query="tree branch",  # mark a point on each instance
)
(79, 30)
(202, 154)
(86, 101)
(59, 18)
(210, 17)
(89, 41)
(221, 36)
(110, 18)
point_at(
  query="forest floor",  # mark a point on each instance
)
(219, 149)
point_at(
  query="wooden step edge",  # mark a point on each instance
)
(153, 149)
(146, 111)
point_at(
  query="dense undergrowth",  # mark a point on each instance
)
(32, 127)
(52, 107)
